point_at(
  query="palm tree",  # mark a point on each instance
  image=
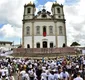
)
(75, 44)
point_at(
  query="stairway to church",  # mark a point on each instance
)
(41, 54)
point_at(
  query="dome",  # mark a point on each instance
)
(30, 4)
(56, 4)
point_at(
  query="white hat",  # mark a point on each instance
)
(3, 74)
(7, 78)
(77, 66)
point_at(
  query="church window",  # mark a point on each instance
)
(50, 29)
(51, 45)
(28, 10)
(27, 30)
(44, 31)
(37, 29)
(59, 16)
(60, 30)
(58, 10)
(38, 45)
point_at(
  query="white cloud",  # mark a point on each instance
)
(61, 1)
(75, 21)
(8, 31)
(11, 11)
(48, 8)
(11, 14)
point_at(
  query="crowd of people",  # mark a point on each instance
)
(59, 68)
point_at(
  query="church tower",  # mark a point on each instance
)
(29, 11)
(58, 15)
(57, 11)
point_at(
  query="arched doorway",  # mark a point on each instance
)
(28, 46)
(38, 45)
(51, 45)
(44, 44)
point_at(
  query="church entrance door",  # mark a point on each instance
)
(44, 44)
(28, 46)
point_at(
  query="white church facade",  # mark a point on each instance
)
(44, 30)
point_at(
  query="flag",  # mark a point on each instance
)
(44, 34)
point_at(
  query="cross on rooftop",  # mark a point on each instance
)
(43, 7)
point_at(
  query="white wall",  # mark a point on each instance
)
(30, 25)
(61, 40)
(40, 39)
(27, 40)
(7, 45)
(58, 25)
(44, 23)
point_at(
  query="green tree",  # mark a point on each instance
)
(75, 44)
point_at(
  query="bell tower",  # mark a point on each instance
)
(29, 10)
(57, 11)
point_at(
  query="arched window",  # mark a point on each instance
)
(44, 31)
(58, 10)
(50, 29)
(28, 30)
(60, 30)
(51, 45)
(28, 10)
(37, 29)
(38, 45)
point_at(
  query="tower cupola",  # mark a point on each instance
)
(57, 10)
(29, 10)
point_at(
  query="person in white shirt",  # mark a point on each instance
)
(64, 75)
(26, 76)
(56, 75)
(11, 77)
(51, 75)
(43, 75)
(78, 77)
(22, 73)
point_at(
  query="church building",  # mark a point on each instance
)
(45, 29)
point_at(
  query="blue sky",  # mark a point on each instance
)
(1, 25)
(11, 18)
(42, 2)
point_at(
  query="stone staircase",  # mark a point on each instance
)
(40, 54)
(43, 52)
